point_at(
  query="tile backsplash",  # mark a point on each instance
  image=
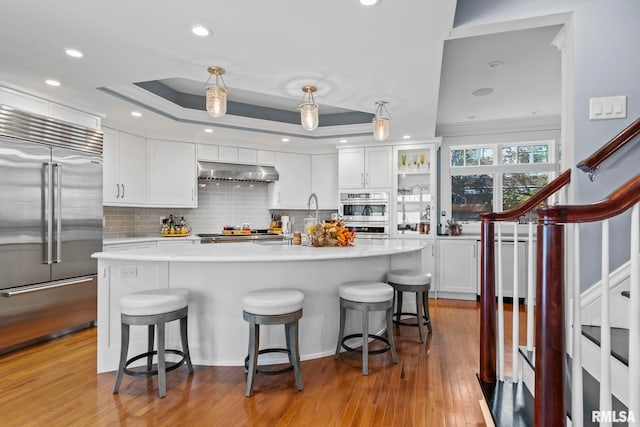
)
(220, 203)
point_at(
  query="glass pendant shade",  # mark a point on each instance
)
(380, 128)
(216, 101)
(381, 121)
(309, 116)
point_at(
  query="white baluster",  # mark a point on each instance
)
(605, 331)
(576, 362)
(634, 315)
(500, 307)
(531, 288)
(515, 336)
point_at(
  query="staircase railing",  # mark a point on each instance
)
(550, 329)
(492, 327)
(591, 163)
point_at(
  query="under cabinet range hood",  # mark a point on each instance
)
(235, 172)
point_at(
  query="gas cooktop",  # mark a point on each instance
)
(254, 235)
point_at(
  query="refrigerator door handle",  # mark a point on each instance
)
(48, 217)
(12, 292)
(57, 204)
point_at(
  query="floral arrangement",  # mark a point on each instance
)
(331, 234)
(454, 227)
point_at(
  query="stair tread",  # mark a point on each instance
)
(510, 403)
(619, 341)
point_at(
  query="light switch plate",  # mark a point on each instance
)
(611, 107)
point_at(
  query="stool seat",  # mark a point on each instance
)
(154, 301)
(273, 302)
(366, 291)
(409, 277)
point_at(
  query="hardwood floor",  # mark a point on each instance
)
(433, 384)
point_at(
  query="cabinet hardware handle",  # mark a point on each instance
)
(362, 179)
(366, 180)
(474, 251)
(123, 191)
(118, 187)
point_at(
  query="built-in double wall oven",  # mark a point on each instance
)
(367, 213)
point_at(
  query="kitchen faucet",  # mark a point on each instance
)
(315, 197)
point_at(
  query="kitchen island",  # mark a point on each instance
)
(218, 275)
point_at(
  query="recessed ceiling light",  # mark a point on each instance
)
(285, 140)
(495, 64)
(136, 114)
(342, 141)
(74, 53)
(200, 31)
(406, 136)
(482, 92)
(51, 82)
(208, 130)
(368, 2)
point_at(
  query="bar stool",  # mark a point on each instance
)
(366, 297)
(412, 281)
(278, 306)
(154, 308)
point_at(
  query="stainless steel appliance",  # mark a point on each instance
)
(232, 238)
(51, 222)
(367, 213)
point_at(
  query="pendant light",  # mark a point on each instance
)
(216, 95)
(308, 109)
(381, 121)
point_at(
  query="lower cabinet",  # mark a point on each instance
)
(457, 268)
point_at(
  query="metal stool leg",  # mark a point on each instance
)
(150, 338)
(185, 343)
(343, 315)
(399, 308)
(124, 349)
(427, 316)
(392, 342)
(162, 372)
(254, 342)
(291, 332)
(365, 340)
(419, 303)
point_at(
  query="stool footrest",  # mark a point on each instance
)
(271, 371)
(170, 366)
(415, 324)
(375, 337)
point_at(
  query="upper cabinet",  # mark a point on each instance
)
(324, 180)
(172, 174)
(368, 167)
(246, 156)
(293, 188)
(124, 169)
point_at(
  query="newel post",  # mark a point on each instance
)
(549, 408)
(487, 304)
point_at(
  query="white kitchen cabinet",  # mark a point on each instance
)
(247, 156)
(266, 158)
(228, 154)
(293, 188)
(208, 153)
(508, 268)
(457, 268)
(124, 169)
(324, 180)
(172, 174)
(365, 167)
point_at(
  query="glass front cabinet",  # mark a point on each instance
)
(414, 191)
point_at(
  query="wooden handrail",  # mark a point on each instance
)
(617, 202)
(591, 163)
(544, 193)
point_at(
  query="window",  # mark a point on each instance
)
(497, 177)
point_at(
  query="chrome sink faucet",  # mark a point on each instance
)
(315, 197)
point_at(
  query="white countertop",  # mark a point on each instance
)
(263, 251)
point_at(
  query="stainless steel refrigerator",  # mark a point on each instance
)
(50, 224)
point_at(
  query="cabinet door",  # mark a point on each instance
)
(351, 168)
(172, 173)
(132, 163)
(228, 154)
(208, 153)
(378, 170)
(458, 266)
(324, 180)
(266, 158)
(247, 156)
(110, 179)
(293, 188)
